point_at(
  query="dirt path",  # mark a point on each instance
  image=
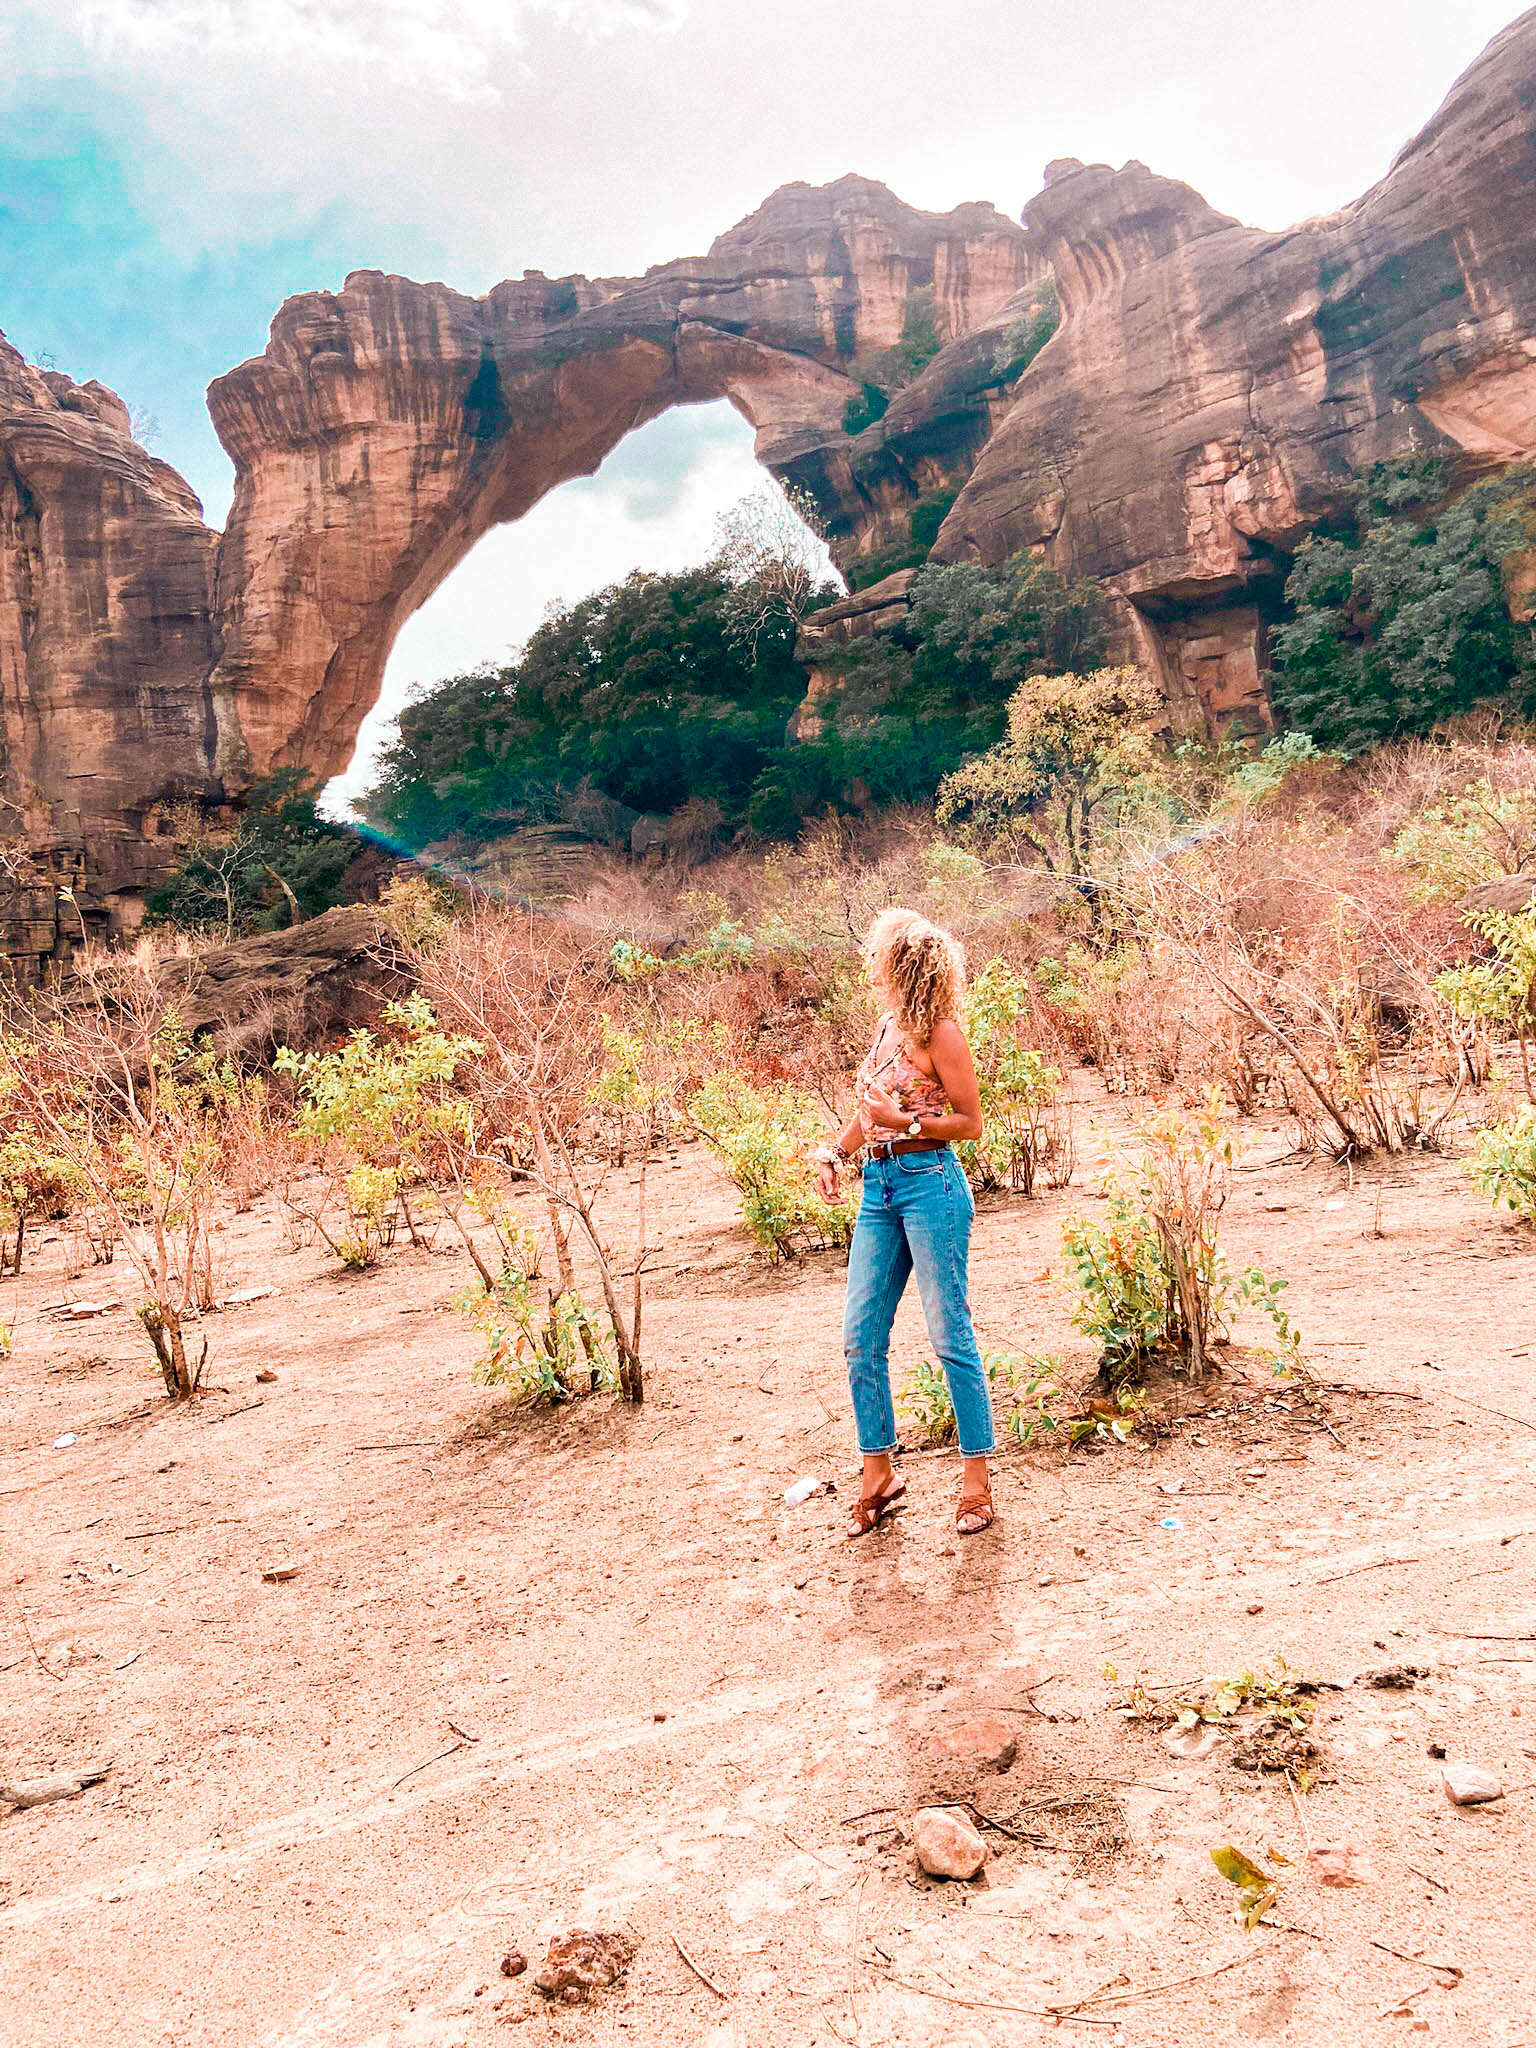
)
(537, 1670)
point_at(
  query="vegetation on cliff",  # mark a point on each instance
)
(673, 690)
(1401, 618)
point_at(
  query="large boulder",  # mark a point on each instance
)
(330, 974)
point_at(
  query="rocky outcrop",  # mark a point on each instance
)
(108, 639)
(1211, 389)
(1201, 405)
(332, 973)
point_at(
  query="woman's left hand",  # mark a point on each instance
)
(883, 1110)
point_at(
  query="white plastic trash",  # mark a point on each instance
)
(796, 1495)
(62, 1443)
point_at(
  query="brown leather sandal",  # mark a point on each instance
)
(871, 1509)
(974, 1504)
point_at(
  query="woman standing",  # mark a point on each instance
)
(917, 1093)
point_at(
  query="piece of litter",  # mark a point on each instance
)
(245, 1295)
(131, 1658)
(1170, 1486)
(802, 1490)
(279, 1573)
(62, 1443)
(1170, 1522)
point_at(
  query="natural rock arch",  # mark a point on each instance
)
(389, 425)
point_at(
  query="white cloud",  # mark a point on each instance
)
(445, 45)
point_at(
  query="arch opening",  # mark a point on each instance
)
(654, 505)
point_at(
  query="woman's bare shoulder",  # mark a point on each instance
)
(947, 1038)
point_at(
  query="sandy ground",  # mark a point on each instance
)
(535, 1670)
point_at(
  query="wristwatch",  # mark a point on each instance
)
(914, 1129)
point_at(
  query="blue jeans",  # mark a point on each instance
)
(915, 1216)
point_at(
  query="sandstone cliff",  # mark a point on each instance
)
(1200, 406)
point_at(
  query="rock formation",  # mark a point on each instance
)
(1211, 389)
(1202, 404)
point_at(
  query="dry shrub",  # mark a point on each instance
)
(532, 996)
(106, 1078)
(1324, 967)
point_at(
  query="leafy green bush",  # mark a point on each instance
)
(1502, 990)
(1022, 340)
(1503, 1163)
(1257, 776)
(373, 1106)
(278, 863)
(1153, 1278)
(861, 412)
(1401, 620)
(1474, 836)
(648, 693)
(762, 1137)
(35, 1180)
(1075, 746)
(1025, 1387)
(920, 342)
(1024, 1141)
(546, 1356)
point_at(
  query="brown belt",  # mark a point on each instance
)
(909, 1145)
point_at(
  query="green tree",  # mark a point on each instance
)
(980, 632)
(1074, 745)
(279, 863)
(1401, 619)
(649, 692)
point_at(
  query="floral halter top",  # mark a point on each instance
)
(890, 1066)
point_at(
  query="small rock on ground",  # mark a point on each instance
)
(987, 1742)
(584, 1960)
(947, 1843)
(1467, 1785)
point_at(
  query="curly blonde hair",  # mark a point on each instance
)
(922, 967)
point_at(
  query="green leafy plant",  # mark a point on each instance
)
(276, 864)
(1501, 990)
(1022, 339)
(1026, 1140)
(1401, 619)
(35, 1180)
(762, 1136)
(1257, 776)
(1153, 1279)
(1503, 1163)
(1075, 746)
(1474, 836)
(1256, 1889)
(1025, 1390)
(372, 1107)
(113, 1087)
(546, 1354)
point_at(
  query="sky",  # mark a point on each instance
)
(170, 170)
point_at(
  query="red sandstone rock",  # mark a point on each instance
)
(1201, 407)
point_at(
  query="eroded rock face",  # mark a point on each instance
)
(1202, 404)
(1211, 389)
(108, 640)
(387, 426)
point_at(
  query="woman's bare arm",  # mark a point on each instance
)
(952, 1062)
